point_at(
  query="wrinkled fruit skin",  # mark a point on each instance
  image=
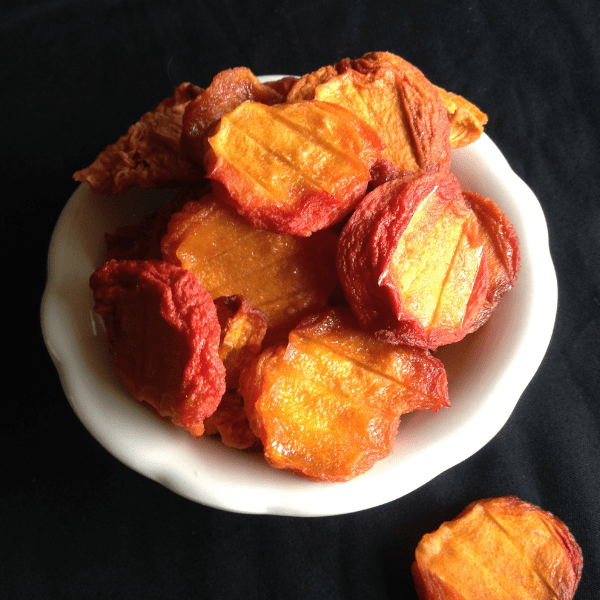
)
(163, 337)
(327, 405)
(149, 154)
(467, 121)
(498, 548)
(421, 264)
(230, 423)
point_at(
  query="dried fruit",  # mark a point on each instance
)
(283, 276)
(230, 285)
(283, 85)
(291, 168)
(501, 246)
(327, 406)
(466, 120)
(243, 329)
(498, 548)
(380, 98)
(163, 337)
(419, 266)
(230, 422)
(149, 154)
(396, 99)
(304, 87)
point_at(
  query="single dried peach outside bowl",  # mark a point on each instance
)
(487, 371)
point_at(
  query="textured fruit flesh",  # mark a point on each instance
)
(437, 261)
(292, 168)
(329, 404)
(285, 277)
(466, 120)
(295, 159)
(500, 548)
(228, 89)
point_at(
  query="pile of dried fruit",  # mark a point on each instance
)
(317, 250)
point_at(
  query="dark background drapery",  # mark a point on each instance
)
(76, 523)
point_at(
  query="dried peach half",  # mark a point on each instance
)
(284, 276)
(500, 548)
(291, 168)
(163, 337)
(419, 266)
(328, 404)
(401, 105)
(466, 120)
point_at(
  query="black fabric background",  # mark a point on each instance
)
(76, 523)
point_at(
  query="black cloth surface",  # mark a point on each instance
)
(76, 523)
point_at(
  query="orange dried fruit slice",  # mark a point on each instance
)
(396, 99)
(501, 548)
(419, 267)
(467, 121)
(291, 168)
(328, 404)
(283, 276)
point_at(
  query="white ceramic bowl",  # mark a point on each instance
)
(487, 371)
